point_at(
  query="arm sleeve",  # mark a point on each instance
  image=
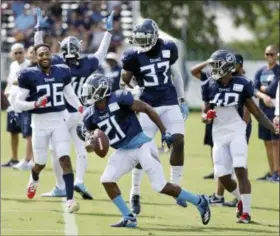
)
(174, 55)
(71, 97)
(177, 80)
(38, 37)
(21, 103)
(277, 100)
(101, 53)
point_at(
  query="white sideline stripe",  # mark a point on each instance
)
(32, 230)
(70, 221)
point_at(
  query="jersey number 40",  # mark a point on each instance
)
(54, 92)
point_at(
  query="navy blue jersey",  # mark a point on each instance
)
(269, 78)
(39, 84)
(152, 71)
(88, 64)
(118, 121)
(233, 94)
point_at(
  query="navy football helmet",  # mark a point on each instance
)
(221, 63)
(145, 35)
(96, 87)
(71, 48)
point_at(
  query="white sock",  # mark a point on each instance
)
(81, 167)
(246, 202)
(137, 176)
(236, 193)
(58, 172)
(176, 174)
(218, 196)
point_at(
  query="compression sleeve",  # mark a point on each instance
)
(21, 103)
(101, 53)
(71, 97)
(38, 37)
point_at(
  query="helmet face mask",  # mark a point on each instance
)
(222, 62)
(71, 48)
(145, 35)
(96, 88)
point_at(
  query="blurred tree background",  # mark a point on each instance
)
(196, 22)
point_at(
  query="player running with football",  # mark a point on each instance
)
(114, 114)
(153, 62)
(227, 94)
(81, 68)
(42, 92)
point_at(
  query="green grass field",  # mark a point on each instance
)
(160, 215)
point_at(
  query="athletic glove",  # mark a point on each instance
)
(41, 102)
(41, 22)
(211, 114)
(184, 108)
(109, 22)
(166, 137)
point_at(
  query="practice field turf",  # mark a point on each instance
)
(160, 215)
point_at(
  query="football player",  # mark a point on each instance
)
(265, 82)
(42, 92)
(81, 67)
(114, 114)
(276, 119)
(197, 71)
(13, 116)
(227, 94)
(153, 62)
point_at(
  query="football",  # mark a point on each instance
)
(100, 143)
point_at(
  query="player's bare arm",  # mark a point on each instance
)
(196, 70)
(139, 106)
(126, 77)
(259, 115)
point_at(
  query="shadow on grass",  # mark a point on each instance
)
(265, 208)
(207, 229)
(31, 200)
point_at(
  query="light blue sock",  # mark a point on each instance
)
(120, 203)
(189, 197)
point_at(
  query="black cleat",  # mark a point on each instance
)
(203, 207)
(127, 221)
(81, 189)
(135, 204)
(10, 163)
(210, 176)
(265, 178)
(214, 200)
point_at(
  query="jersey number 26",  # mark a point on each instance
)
(53, 91)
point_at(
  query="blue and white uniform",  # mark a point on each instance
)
(152, 71)
(48, 123)
(120, 123)
(229, 129)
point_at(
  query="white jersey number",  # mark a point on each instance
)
(109, 124)
(52, 90)
(152, 73)
(77, 84)
(219, 101)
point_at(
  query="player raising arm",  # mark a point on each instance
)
(114, 114)
(153, 63)
(81, 67)
(227, 95)
(42, 91)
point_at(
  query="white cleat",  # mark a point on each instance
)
(72, 206)
(22, 165)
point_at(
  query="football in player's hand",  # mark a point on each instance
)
(98, 142)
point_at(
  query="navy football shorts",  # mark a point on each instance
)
(266, 134)
(26, 124)
(13, 122)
